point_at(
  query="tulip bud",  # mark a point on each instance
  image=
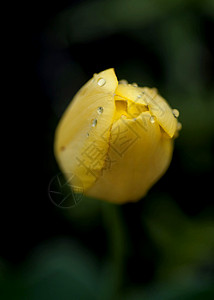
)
(117, 138)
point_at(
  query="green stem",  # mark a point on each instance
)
(117, 242)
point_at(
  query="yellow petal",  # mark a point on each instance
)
(161, 110)
(128, 108)
(138, 156)
(81, 140)
(132, 93)
(155, 103)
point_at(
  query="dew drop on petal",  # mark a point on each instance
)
(179, 126)
(123, 81)
(152, 119)
(134, 84)
(175, 113)
(100, 110)
(94, 122)
(101, 82)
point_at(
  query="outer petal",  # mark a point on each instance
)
(138, 156)
(161, 110)
(81, 141)
(155, 103)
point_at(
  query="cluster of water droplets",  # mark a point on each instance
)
(100, 82)
(176, 113)
(100, 110)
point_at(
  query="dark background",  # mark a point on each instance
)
(159, 248)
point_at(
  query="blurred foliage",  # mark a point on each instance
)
(163, 246)
(63, 269)
(182, 242)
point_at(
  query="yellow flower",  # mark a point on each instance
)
(116, 138)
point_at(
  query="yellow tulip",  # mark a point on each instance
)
(116, 138)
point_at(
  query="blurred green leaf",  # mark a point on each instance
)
(175, 290)
(61, 270)
(185, 244)
(58, 270)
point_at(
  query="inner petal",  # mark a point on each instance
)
(128, 108)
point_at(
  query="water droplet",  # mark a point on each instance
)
(101, 82)
(179, 126)
(134, 84)
(123, 81)
(152, 119)
(139, 96)
(94, 122)
(175, 113)
(100, 110)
